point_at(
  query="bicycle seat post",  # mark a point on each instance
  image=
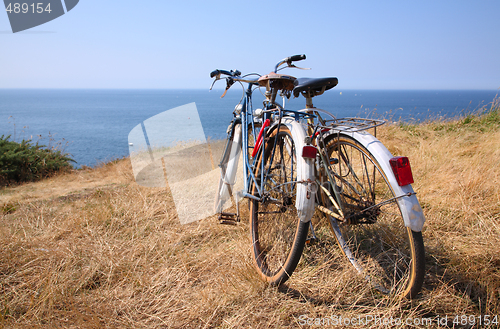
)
(309, 107)
(309, 103)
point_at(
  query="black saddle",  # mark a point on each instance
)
(312, 87)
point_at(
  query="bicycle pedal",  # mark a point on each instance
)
(228, 218)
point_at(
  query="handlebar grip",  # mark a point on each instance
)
(296, 58)
(214, 73)
(228, 73)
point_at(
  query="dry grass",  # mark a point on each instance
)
(92, 249)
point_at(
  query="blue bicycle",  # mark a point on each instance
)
(278, 171)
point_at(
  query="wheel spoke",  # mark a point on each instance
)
(372, 236)
(276, 227)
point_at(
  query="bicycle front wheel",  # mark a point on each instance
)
(372, 233)
(278, 234)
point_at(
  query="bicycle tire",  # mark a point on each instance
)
(278, 234)
(373, 236)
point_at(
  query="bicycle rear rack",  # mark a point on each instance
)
(352, 124)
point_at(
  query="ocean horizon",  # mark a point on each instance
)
(92, 125)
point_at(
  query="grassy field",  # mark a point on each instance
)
(92, 249)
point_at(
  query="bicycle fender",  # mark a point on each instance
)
(228, 176)
(412, 211)
(305, 199)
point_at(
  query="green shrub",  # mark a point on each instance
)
(25, 161)
(484, 119)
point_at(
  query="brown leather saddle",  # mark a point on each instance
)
(279, 81)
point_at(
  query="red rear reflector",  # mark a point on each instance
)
(402, 170)
(309, 151)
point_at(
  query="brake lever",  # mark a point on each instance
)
(229, 83)
(217, 77)
(213, 83)
(293, 66)
(300, 68)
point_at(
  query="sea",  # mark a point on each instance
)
(92, 125)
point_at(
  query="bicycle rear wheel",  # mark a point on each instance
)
(372, 234)
(278, 234)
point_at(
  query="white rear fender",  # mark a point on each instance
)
(305, 200)
(410, 207)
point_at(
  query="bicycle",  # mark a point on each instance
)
(366, 195)
(277, 178)
(362, 190)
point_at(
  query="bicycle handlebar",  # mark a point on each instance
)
(236, 75)
(289, 60)
(295, 58)
(230, 73)
(214, 73)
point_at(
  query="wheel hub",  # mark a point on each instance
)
(365, 213)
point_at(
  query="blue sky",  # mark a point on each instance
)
(163, 44)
